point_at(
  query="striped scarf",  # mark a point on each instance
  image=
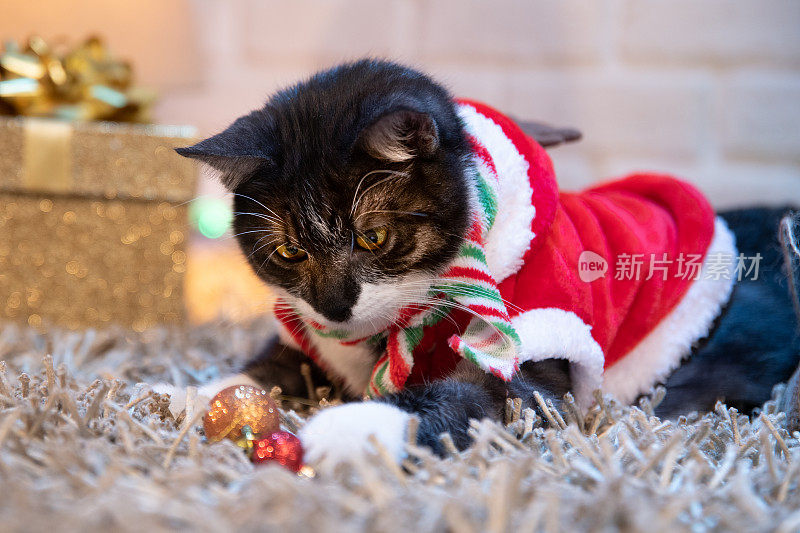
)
(489, 340)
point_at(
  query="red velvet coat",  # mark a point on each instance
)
(621, 329)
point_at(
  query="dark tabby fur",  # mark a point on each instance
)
(295, 167)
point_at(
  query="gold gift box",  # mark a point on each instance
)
(93, 222)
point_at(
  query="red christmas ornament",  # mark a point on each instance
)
(281, 447)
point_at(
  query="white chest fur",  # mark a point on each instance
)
(352, 363)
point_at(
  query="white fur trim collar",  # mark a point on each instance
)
(510, 237)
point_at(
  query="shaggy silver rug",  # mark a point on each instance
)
(85, 445)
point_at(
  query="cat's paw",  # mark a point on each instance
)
(177, 395)
(209, 390)
(339, 434)
(791, 402)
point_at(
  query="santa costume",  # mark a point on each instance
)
(619, 279)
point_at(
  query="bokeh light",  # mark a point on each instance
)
(211, 216)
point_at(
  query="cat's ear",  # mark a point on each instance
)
(400, 136)
(236, 153)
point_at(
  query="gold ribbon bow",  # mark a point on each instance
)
(81, 83)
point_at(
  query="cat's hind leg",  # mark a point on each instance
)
(755, 344)
(790, 240)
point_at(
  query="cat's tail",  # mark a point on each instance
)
(790, 242)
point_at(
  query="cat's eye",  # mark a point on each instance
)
(372, 239)
(291, 252)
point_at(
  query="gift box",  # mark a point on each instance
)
(93, 222)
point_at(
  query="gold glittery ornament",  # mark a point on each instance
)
(239, 406)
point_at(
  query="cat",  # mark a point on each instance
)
(354, 192)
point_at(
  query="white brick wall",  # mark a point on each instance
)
(326, 31)
(708, 32)
(760, 116)
(709, 90)
(644, 114)
(511, 32)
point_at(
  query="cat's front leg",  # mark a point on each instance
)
(276, 365)
(280, 365)
(341, 433)
(444, 406)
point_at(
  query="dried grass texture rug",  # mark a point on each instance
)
(86, 446)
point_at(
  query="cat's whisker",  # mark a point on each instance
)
(482, 318)
(428, 302)
(255, 251)
(358, 186)
(264, 230)
(459, 306)
(357, 197)
(296, 329)
(466, 292)
(391, 212)
(271, 234)
(417, 307)
(272, 216)
(259, 203)
(434, 282)
(372, 251)
(508, 305)
(265, 261)
(259, 215)
(412, 301)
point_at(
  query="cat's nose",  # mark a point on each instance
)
(337, 311)
(335, 300)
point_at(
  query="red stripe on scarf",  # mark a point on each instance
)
(489, 311)
(482, 153)
(470, 273)
(476, 233)
(375, 369)
(398, 369)
(493, 338)
(296, 329)
(540, 171)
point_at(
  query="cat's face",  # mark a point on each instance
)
(351, 244)
(350, 195)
